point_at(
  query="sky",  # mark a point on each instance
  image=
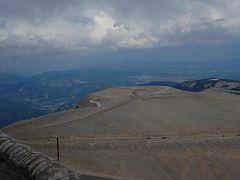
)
(43, 35)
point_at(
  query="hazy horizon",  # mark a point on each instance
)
(41, 36)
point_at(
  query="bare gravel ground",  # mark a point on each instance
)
(144, 133)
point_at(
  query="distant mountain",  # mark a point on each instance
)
(232, 86)
(26, 97)
(159, 83)
(10, 78)
(211, 83)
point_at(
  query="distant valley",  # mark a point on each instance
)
(29, 97)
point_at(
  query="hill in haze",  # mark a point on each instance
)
(232, 86)
(28, 97)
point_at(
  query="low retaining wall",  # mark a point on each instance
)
(35, 165)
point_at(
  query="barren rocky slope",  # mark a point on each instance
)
(144, 133)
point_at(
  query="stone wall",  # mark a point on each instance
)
(20, 160)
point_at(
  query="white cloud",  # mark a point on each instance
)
(88, 26)
(102, 24)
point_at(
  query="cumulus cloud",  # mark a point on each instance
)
(32, 27)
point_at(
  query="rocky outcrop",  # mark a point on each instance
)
(29, 164)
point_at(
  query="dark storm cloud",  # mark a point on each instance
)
(43, 27)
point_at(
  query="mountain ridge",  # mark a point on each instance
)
(232, 86)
